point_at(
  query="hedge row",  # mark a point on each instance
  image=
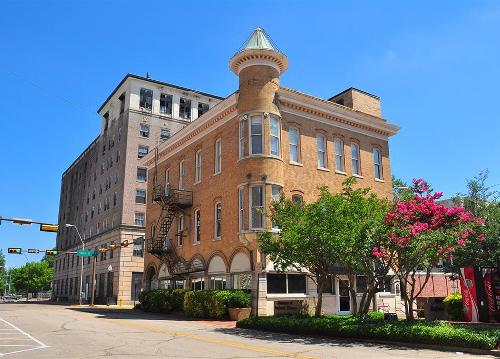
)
(437, 333)
(197, 304)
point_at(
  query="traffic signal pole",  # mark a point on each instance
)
(93, 282)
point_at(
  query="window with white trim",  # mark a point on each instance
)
(197, 166)
(167, 181)
(142, 174)
(218, 220)
(139, 219)
(276, 196)
(185, 108)
(181, 175)
(339, 154)
(321, 149)
(197, 226)
(257, 207)
(241, 206)
(256, 143)
(241, 144)
(377, 163)
(274, 134)
(294, 143)
(355, 159)
(143, 130)
(218, 157)
(140, 196)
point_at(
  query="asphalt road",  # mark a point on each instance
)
(35, 330)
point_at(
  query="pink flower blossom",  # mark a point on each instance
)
(461, 242)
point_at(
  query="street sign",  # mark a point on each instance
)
(85, 253)
(36, 251)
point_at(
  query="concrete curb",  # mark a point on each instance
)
(494, 352)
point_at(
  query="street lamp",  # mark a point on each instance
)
(81, 269)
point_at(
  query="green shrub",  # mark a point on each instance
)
(438, 333)
(454, 307)
(214, 303)
(162, 300)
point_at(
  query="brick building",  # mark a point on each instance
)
(214, 180)
(103, 192)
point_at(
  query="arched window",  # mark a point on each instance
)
(296, 198)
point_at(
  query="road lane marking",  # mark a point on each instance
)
(39, 345)
(204, 338)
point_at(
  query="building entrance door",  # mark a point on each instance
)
(344, 297)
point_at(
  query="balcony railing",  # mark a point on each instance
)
(180, 198)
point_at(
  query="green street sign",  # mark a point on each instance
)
(85, 253)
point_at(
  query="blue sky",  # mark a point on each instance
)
(433, 63)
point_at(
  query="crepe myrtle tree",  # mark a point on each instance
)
(421, 233)
(336, 228)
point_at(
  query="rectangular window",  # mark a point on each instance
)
(218, 156)
(218, 220)
(166, 104)
(180, 230)
(218, 282)
(167, 181)
(197, 225)
(202, 108)
(286, 283)
(142, 151)
(241, 147)
(197, 283)
(142, 174)
(185, 108)
(144, 130)
(339, 155)
(274, 133)
(241, 206)
(140, 196)
(146, 99)
(139, 219)
(377, 163)
(256, 135)
(321, 143)
(138, 248)
(361, 284)
(355, 159)
(122, 102)
(294, 142)
(197, 167)
(257, 207)
(181, 175)
(164, 133)
(276, 196)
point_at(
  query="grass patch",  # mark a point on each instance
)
(374, 327)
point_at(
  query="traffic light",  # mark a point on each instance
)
(51, 252)
(103, 250)
(125, 243)
(49, 227)
(35, 251)
(14, 250)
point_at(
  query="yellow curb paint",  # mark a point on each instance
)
(204, 338)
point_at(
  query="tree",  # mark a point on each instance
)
(336, 228)
(421, 234)
(304, 242)
(3, 272)
(49, 259)
(32, 277)
(483, 201)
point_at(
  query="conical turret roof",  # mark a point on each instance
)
(258, 40)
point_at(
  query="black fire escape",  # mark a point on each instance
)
(172, 202)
